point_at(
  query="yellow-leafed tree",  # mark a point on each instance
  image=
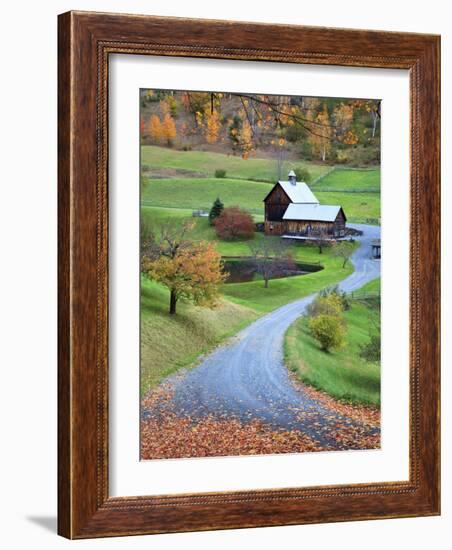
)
(169, 129)
(155, 129)
(213, 126)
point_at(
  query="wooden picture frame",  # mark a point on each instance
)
(86, 40)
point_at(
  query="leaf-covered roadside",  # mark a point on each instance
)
(369, 416)
(164, 434)
(180, 437)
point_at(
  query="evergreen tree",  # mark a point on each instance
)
(216, 210)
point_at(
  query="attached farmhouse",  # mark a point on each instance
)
(292, 209)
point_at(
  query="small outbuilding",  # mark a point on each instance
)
(376, 249)
(292, 209)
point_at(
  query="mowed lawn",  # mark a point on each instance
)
(354, 180)
(199, 193)
(343, 374)
(207, 162)
(358, 207)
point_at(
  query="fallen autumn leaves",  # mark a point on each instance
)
(167, 435)
(176, 437)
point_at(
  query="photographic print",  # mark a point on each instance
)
(260, 274)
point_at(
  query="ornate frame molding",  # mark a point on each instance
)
(85, 42)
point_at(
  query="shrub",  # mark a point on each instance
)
(234, 223)
(343, 296)
(216, 210)
(328, 330)
(325, 305)
(372, 350)
(220, 173)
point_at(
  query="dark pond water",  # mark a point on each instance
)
(245, 270)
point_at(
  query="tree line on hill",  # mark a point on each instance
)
(321, 129)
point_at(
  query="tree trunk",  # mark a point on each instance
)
(374, 127)
(173, 301)
(265, 283)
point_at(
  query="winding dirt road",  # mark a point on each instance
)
(246, 378)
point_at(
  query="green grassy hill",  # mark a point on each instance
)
(354, 190)
(351, 180)
(207, 162)
(343, 374)
(358, 207)
(199, 193)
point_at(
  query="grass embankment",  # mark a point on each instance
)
(370, 291)
(342, 374)
(206, 162)
(170, 342)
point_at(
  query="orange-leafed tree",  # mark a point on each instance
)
(213, 126)
(234, 223)
(321, 136)
(169, 129)
(195, 273)
(246, 139)
(155, 129)
(190, 270)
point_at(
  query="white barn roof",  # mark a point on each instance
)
(311, 212)
(298, 192)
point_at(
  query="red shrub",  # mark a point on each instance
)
(234, 223)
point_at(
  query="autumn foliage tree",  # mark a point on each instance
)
(321, 135)
(246, 139)
(314, 128)
(169, 132)
(213, 126)
(155, 129)
(234, 223)
(190, 270)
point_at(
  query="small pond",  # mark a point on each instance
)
(244, 270)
